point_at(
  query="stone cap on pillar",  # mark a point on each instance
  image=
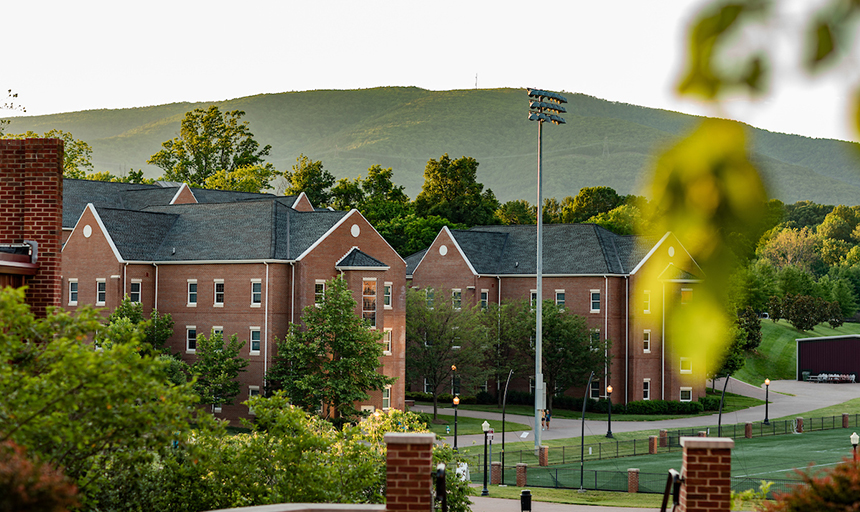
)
(708, 442)
(407, 438)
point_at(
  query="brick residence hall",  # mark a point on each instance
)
(595, 274)
(233, 262)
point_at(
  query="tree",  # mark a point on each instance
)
(516, 212)
(332, 359)
(731, 358)
(622, 220)
(412, 233)
(508, 327)
(451, 191)
(210, 142)
(791, 280)
(591, 201)
(382, 198)
(750, 325)
(250, 178)
(9, 104)
(792, 247)
(154, 332)
(308, 176)
(77, 154)
(440, 336)
(216, 369)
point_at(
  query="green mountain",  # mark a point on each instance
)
(603, 142)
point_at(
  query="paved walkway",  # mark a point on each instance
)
(480, 504)
(786, 397)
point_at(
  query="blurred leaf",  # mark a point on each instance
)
(830, 33)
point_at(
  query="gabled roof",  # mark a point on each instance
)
(355, 260)
(413, 260)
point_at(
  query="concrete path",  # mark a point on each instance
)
(786, 397)
(486, 504)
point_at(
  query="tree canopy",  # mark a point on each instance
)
(451, 191)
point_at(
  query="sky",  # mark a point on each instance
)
(65, 56)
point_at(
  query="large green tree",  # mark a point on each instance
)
(216, 369)
(508, 326)
(591, 201)
(310, 177)
(211, 142)
(451, 190)
(77, 154)
(155, 330)
(332, 358)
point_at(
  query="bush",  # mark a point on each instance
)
(836, 489)
(27, 484)
(485, 398)
(656, 407)
(710, 403)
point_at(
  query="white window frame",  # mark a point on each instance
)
(533, 298)
(485, 299)
(256, 295)
(216, 408)
(646, 302)
(646, 341)
(139, 292)
(364, 310)
(319, 294)
(387, 286)
(255, 329)
(594, 339)
(563, 297)
(76, 291)
(188, 339)
(591, 301)
(101, 291)
(215, 302)
(252, 392)
(430, 297)
(685, 389)
(594, 392)
(427, 386)
(387, 334)
(688, 362)
(457, 298)
(689, 292)
(218, 329)
(386, 397)
(189, 296)
(646, 389)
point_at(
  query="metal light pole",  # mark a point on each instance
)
(766, 390)
(456, 403)
(854, 440)
(609, 397)
(485, 426)
(543, 106)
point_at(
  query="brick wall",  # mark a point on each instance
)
(707, 474)
(409, 472)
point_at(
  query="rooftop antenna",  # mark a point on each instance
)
(476, 80)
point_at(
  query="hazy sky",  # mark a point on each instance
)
(63, 56)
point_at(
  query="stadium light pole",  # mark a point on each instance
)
(543, 106)
(766, 391)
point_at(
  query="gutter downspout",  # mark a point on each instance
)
(266, 329)
(606, 329)
(124, 275)
(156, 284)
(293, 293)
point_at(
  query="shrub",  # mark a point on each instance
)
(485, 398)
(835, 489)
(710, 403)
(27, 484)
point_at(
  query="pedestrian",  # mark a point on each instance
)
(543, 419)
(548, 417)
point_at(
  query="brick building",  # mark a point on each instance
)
(231, 262)
(594, 273)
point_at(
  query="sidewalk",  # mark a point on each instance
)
(487, 504)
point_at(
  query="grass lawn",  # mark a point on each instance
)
(467, 426)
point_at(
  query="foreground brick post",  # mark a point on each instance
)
(707, 473)
(799, 425)
(521, 474)
(543, 456)
(410, 466)
(495, 473)
(844, 420)
(664, 438)
(703, 433)
(652, 445)
(748, 430)
(633, 480)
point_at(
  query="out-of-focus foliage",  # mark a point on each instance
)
(831, 489)
(30, 484)
(77, 154)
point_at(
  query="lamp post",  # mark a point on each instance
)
(543, 106)
(456, 403)
(854, 440)
(609, 397)
(485, 426)
(766, 391)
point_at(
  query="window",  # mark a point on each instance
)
(485, 299)
(686, 365)
(457, 298)
(192, 293)
(427, 387)
(595, 340)
(646, 389)
(594, 392)
(368, 301)
(595, 301)
(73, 292)
(255, 340)
(386, 342)
(190, 339)
(386, 295)
(534, 298)
(646, 341)
(134, 291)
(252, 392)
(216, 408)
(386, 398)
(686, 394)
(101, 292)
(646, 302)
(256, 293)
(686, 295)
(431, 295)
(559, 298)
(218, 330)
(319, 292)
(219, 293)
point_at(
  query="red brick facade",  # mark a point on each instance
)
(409, 471)
(707, 475)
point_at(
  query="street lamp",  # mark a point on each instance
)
(766, 391)
(609, 397)
(543, 106)
(485, 426)
(456, 403)
(854, 440)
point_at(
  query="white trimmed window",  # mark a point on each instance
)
(255, 340)
(386, 295)
(457, 298)
(686, 295)
(216, 408)
(73, 292)
(319, 292)
(190, 339)
(101, 292)
(686, 365)
(134, 291)
(485, 299)
(594, 392)
(686, 394)
(192, 293)
(386, 398)
(386, 342)
(646, 302)
(595, 340)
(427, 387)
(368, 300)
(646, 389)
(646, 341)
(219, 330)
(534, 298)
(219, 293)
(430, 294)
(559, 298)
(256, 293)
(595, 301)
(252, 392)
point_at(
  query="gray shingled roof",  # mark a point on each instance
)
(356, 258)
(413, 260)
(136, 235)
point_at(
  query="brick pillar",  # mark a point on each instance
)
(707, 472)
(664, 438)
(409, 471)
(844, 420)
(521, 474)
(633, 480)
(495, 473)
(799, 425)
(748, 430)
(703, 433)
(31, 209)
(652, 445)
(543, 456)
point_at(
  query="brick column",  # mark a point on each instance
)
(495, 473)
(748, 430)
(409, 471)
(664, 438)
(521, 474)
(633, 480)
(844, 420)
(707, 472)
(799, 425)
(652, 445)
(543, 456)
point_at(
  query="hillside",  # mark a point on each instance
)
(603, 143)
